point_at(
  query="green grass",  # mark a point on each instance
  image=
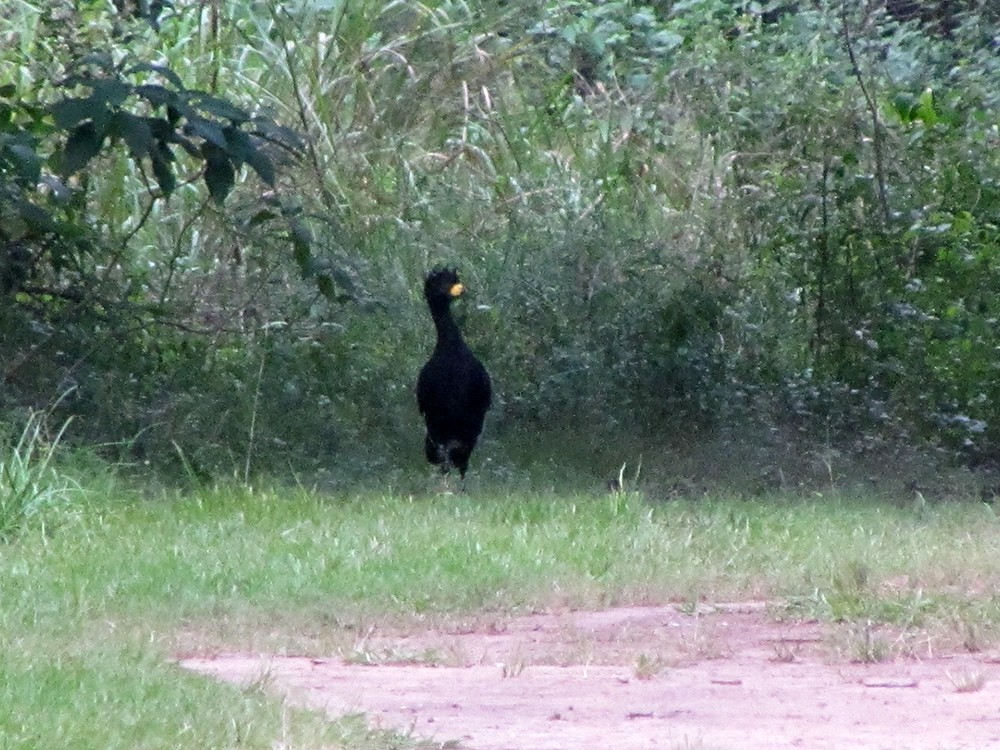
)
(28, 484)
(95, 606)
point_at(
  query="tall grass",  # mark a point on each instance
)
(30, 485)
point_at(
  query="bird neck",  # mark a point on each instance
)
(446, 327)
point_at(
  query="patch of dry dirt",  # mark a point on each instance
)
(730, 676)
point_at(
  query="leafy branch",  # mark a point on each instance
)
(157, 116)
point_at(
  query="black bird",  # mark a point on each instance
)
(453, 390)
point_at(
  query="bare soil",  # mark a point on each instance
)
(727, 676)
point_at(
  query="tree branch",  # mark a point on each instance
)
(872, 105)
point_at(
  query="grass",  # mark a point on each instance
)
(968, 681)
(93, 613)
(646, 667)
(28, 483)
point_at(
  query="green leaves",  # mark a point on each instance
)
(19, 159)
(22, 212)
(221, 135)
(603, 41)
(70, 112)
(219, 173)
(83, 144)
(135, 131)
(243, 148)
(920, 108)
(161, 160)
(171, 133)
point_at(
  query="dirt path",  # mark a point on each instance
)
(728, 677)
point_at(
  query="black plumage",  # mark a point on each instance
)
(453, 389)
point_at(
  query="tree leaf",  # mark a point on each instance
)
(261, 164)
(156, 95)
(160, 128)
(243, 150)
(325, 285)
(161, 158)
(187, 144)
(58, 188)
(102, 60)
(261, 216)
(135, 131)
(160, 70)
(301, 237)
(69, 113)
(217, 107)
(25, 159)
(278, 134)
(82, 145)
(207, 130)
(111, 91)
(219, 173)
(346, 282)
(35, 217)
(905, 105)
(925, 107)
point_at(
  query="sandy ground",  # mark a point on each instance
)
(728, 676)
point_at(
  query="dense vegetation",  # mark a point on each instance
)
(215, 218)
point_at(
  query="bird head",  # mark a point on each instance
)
(442, 285)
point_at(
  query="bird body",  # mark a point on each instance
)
(453, 389)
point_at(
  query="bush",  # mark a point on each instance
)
(687, 213)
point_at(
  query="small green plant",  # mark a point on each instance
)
(28, 483)
(646, 667)
(427, 657)
(786, 650)
(865, 646)
(261, 682)
(620, 493)
(515, 665)
(967, 681)
(969, 629)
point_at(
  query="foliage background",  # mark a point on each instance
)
(750, 225)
